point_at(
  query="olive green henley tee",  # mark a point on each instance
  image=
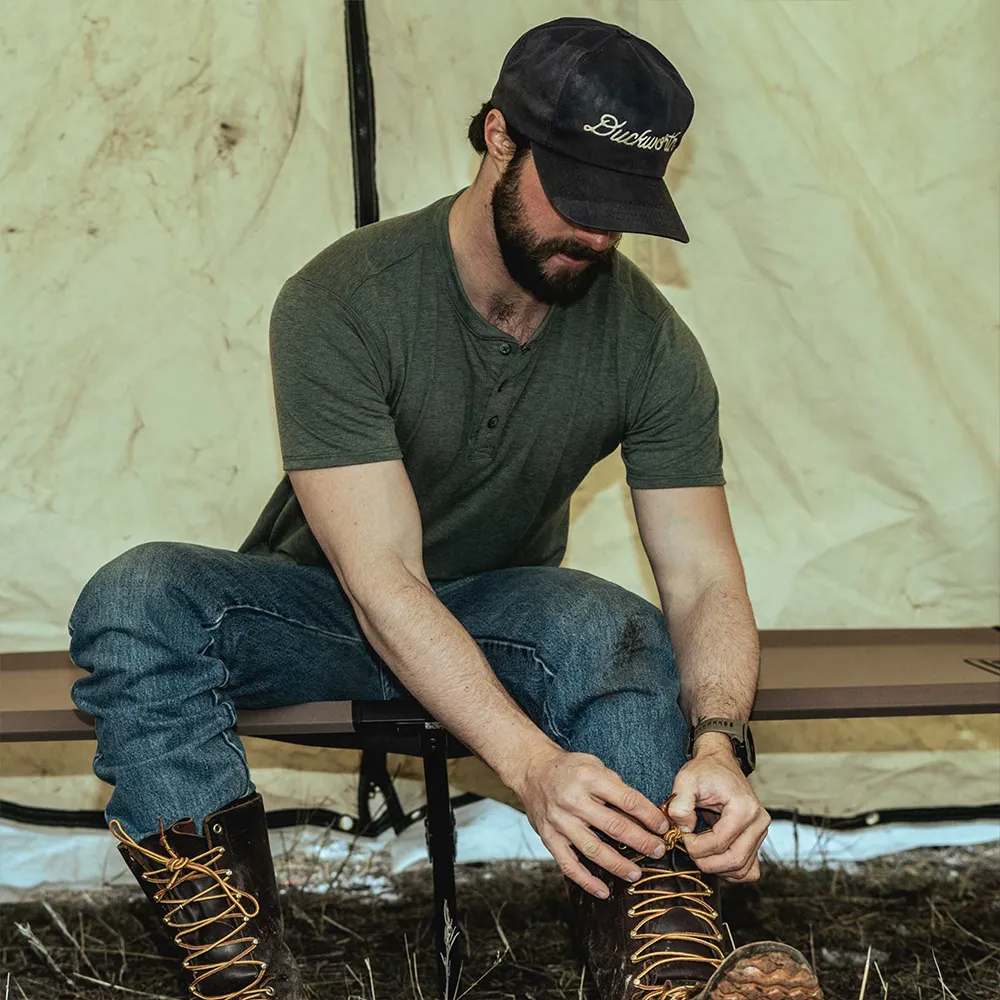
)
(378, 354)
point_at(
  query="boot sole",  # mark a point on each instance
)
(767, 970)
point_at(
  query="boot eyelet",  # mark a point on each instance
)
(216, 828)
(256, 940)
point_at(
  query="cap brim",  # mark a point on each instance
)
(599, 198)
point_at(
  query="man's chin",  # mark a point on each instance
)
(566, 284)
(565, 293)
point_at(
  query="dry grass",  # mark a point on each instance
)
(923, 925)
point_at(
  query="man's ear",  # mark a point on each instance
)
(499, 146)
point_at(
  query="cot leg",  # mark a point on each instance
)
(440, 831)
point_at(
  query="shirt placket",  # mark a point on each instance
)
(500, 403)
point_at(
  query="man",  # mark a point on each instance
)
(443, 383)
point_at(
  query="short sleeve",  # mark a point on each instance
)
(330, 382)
(671, 436)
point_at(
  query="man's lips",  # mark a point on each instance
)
(571, 261)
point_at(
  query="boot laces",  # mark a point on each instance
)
(242, 907)
(693, 895)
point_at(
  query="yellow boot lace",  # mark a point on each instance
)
(693, 895)
(175, 870)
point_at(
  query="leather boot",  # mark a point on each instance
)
(659, 938)
(218, 897)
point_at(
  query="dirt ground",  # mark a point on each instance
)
(931, 918)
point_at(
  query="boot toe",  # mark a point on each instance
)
(765, 970)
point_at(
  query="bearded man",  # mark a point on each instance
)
(444, 381)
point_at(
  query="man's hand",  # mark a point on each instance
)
(712, 780)
(569, 795)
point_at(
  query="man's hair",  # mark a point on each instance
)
(477, 129)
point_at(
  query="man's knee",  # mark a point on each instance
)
(609, 625)
(132, 585)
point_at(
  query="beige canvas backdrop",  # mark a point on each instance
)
(163, 172)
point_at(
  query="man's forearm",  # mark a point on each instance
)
(442, 666)
(717, 651)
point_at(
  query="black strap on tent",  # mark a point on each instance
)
(362, 102)
(280, 818)
(277, 819)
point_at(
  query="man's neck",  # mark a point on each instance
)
(487, 283)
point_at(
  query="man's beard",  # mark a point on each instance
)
(524, 255)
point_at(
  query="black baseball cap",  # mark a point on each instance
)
(604, 111)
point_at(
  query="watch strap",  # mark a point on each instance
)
(739, 733)
(731, 727)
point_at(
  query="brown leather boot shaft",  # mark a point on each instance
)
(218, 898)
(658, 938)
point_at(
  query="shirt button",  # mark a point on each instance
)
(492, 422)
(505, 348)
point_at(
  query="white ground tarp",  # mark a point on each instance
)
(36, 861)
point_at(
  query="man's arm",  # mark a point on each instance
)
(367, 521)
(688, 538)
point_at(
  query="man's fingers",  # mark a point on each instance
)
(750, 872)
(624, 829)
(681, 808)
(737, 816)
(599, 853)
(740, 854)
(559, 847)
(616, 793)
(743, 873)
(752, 875)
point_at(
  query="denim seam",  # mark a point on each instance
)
(217, 621)
(533, 650)
(247, 606)
(520, 645)
(227, 734)
(387, 693)
(225, 684)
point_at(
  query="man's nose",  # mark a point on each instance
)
(596, 239)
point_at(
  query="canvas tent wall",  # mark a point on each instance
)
(165, 172)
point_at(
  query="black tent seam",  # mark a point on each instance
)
(277, 819)
(282, 818)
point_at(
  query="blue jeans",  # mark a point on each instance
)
(176, 637)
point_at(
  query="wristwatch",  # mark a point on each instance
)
(739, 735)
